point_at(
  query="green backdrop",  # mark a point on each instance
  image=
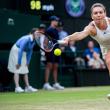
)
(14, 25)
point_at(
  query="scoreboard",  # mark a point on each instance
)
(63, 8)
(41, 7)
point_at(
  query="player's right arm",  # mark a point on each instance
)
(88, 30)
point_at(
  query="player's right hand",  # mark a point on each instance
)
(66, 40)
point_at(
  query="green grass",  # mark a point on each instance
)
(85, 98)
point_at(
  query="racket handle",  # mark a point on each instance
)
(61, 42)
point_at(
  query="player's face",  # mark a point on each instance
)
(98, 14)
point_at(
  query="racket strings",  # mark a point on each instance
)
(45, 42)
(48, 44)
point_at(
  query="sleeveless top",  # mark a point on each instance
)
(103, 38)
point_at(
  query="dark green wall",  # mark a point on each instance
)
(22, 25)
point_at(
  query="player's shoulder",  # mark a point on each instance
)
(91, 24)
(91, 28)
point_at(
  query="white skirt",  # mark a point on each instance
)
(13, 61)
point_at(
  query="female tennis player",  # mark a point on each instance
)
(98, 29)
(19, 59)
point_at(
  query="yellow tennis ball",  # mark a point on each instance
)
(57, 52)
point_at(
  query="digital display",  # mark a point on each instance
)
(62, 8)
(43, 8)
(37, 6)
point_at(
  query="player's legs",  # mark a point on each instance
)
(107, 61)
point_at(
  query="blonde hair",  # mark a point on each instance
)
(98, 5)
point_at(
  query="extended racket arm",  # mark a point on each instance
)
(61, 42)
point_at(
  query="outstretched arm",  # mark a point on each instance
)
(79, 35)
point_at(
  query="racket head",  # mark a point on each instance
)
(44, 42)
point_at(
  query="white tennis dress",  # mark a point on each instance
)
(103, 38)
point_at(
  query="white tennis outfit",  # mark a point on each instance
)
(13, 61)
(103, 38)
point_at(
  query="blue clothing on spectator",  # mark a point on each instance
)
(62, 34)
(50, 57)
(88, 52)
(53, 33)
(25, 44)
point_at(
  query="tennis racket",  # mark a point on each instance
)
(45, 42)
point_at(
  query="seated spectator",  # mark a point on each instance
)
(97, 62)
(80, 63)
(92, 56)
(71, 58)
(62, 33)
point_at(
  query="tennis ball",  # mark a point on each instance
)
(57, 52)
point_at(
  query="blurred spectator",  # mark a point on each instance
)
(52, 61)
(92, 56)
(71, 58)
(62, 32)
(70, 53)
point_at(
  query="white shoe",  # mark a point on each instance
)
(19, 90)
(108, 96)
(58, 86)
(47, 86)
(30, 89)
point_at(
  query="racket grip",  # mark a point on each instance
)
(61, 42)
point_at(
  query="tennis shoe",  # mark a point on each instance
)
(19, 90)
(47, 86)
(58, 86)
(30, 89)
